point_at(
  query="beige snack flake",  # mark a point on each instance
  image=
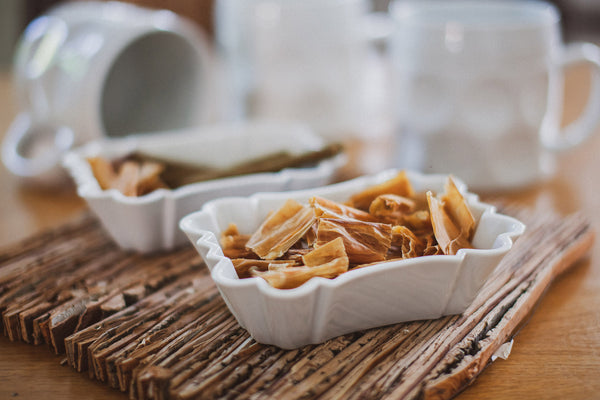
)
(325, 238)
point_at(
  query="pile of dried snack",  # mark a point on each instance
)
(324, 238)
(137, 174)
(130, 177)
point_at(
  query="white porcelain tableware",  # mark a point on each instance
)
(479, 89)
(91, 69)
(381, 294)
(307, 60)
(149, 223)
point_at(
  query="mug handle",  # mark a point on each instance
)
(31, 149)
(583, 127)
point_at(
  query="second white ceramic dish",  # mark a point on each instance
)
(149, 223)
(381, 294)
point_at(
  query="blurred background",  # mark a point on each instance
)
(581, 18)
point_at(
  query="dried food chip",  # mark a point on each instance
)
(131, 178)
(407, 242)
(335, 263)
(127, 179)
(391, 207)
(365, 242)
(418, 221)
(149, 178)
(325, 253)
(281, 230)
(244, 266)
(330, 209)
(457, 209)
(103, 171)
(399, 185)
(449, 237)
(138, 174)
(233, 243)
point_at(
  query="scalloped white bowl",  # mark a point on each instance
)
(378, 295)
(150, 223)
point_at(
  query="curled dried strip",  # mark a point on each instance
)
(234, 252)
(449, 237)
(127, 179)
(149, 178)
(103, 171)
(407, 242)
(276, 265)
(325, 208)
(234, 244)
(231, 230)
(292, 277)
(391, 207)
(457, 209)
(431, 246)
(281, 230)
(365, 242)
(132, 178)
(289, 278)
(433, 250)
(399, 185)
(417, 221)
(244, 267)
(296, 254)
(325, 253)
(310, 237)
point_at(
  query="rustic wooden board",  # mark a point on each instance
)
(155, 326)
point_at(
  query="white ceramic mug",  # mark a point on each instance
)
(91, 69)
(306, 60)
(479, 89)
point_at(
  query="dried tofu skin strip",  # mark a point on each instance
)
(449, 237)
(391, 207)
(325, 208)
(329, 261)
(296, 254)
(289, 278)
(417, 221)
(275, 265)
(131, 179)
(281, 230)
(244, 267)
(365, 242)
(103, 172)
(310, 237)
(457, 209)
(149, 178)
(325, 253)
(231, 230)
(236, 251)
(399, 185)
(128, 178)
(233, 243)
(407, 242)
(433, 250)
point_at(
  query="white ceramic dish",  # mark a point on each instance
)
(149, 223)
(419, 288)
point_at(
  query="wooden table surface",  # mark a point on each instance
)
(555, 356)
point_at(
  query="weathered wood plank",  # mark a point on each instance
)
(156, 327)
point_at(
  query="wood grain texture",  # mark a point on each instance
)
(177, 340)
(556, 355)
